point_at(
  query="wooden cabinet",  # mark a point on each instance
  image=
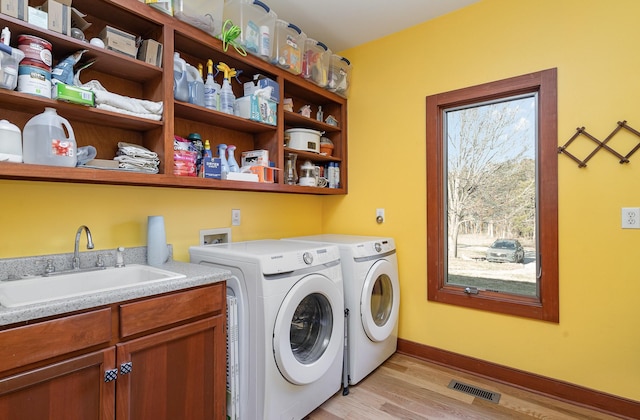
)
(130, 77)
(164, 358)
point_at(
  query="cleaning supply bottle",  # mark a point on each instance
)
(227, 98)
(224, 165)
(48, 139)
(196, 87)
(231, 159)
(207, 149)
(211, 89)
(180, 82)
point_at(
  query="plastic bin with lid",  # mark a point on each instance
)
(288, 46)
(339, 75)
(315, 62)
(205, 15)
(256, 22)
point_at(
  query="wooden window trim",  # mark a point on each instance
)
(546, 305)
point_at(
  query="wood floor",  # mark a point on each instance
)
(408, 388)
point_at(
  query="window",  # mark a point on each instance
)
(492, 196)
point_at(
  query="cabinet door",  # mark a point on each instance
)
(175, 374)
(73, 389)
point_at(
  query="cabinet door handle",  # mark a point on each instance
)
(110, 375)
(125, 368)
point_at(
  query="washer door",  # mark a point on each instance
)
(380, 300)
(309, 329)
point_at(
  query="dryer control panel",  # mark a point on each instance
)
(305, 257)
(377, 247)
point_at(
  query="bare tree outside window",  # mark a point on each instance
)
(491, 195)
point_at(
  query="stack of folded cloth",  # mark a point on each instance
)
(134, 157)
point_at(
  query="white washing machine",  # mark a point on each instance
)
(372, 298)
(290, 321)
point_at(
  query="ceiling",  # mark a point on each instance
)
(343, 24)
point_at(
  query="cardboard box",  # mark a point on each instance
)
(15, 8)
(212, 167)
(59, 16)
(260, 82)
(255, 158)
(72, 94)
(120, 41)
(38, 18)
(150, 52)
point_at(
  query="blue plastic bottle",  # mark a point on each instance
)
(224, 165)
(231, 159)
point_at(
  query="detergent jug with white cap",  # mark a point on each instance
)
(10, 142)
(48, 139)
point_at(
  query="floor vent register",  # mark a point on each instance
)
(490, 396)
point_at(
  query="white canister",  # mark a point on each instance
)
(157, 250)
(10, 142)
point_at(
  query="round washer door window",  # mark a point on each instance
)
(309, 329)
(380, 300)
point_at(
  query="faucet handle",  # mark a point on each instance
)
(120, 257)
(49, 268)
(100, 262)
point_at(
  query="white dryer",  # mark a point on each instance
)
(290, 320)
(372, 298)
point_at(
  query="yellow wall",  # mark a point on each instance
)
(594, 44)
(41, 218)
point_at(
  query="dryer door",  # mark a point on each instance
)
(309, 329)
(380, 300)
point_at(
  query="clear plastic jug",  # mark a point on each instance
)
(48, 139)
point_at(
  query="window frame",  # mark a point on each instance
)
(545, 306)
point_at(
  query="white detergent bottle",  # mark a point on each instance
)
(196, 85)
(48, 139)
(227, 98)
(180, 82)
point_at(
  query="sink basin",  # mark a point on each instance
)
(60, 286)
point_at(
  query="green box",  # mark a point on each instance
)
(72, 94)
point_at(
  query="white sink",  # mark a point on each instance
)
(60, 286)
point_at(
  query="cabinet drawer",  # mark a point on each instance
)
(161, 311)
(24, 345)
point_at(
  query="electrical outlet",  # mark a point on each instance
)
(379, 215)
(631, 218)
(235, 217)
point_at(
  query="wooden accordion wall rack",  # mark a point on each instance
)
(600, 145)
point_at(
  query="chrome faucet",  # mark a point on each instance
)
(76, 251)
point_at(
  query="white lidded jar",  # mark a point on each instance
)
(48, 139)
(10, 142)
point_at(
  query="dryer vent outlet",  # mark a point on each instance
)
(215, 236)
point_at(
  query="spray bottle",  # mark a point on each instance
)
(211, 89)
(231, 159)
(224, 165)
(227, 97)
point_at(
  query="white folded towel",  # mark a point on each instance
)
(123, 104)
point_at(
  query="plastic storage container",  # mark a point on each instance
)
(49, 140)
(205, 15)
(315, 62)
(339, 75)
(256, 22)
(288, 46)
